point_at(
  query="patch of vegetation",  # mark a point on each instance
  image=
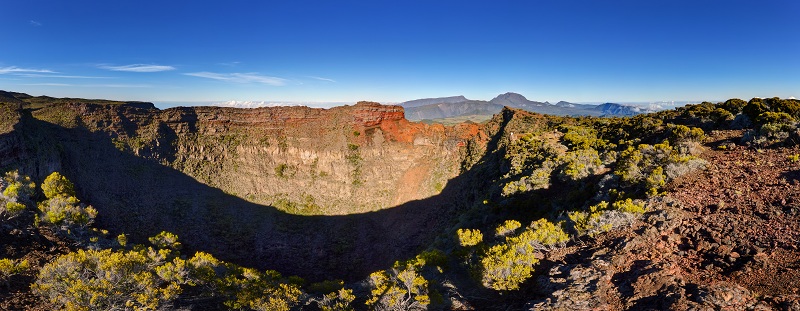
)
(16, 192)
(284, 170)
(62, 209)
(353, 157)
(505, 265)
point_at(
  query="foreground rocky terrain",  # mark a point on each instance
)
(725, 238)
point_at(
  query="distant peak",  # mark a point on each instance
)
(511, 96)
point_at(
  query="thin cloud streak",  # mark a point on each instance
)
(48, 84)
(36, 75)
(138, 68)
(35, 23)
(92, 85)
(240, 78)
(322, 79)
(15, 70)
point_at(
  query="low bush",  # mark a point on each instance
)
(15, 192)
(506, 265)
(469, 237)
(579, 164)
(400, 288)
(603, 216)
(9, 268)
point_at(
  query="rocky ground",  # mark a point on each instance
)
(725, 238)
(36, 245)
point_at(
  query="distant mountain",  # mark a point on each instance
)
(612, 109)
(431, 101)
(447, 110)
(456, 106)
(516, 101)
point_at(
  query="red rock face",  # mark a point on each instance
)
(370, 114)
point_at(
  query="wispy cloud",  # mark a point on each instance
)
(240, 78)
(38, 75)
(17, 70)
(92, 85)
(34, 23)
(138, 68)
(230, 64)
(48, 84)
(322, 79)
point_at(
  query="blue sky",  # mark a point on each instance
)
(392, 51)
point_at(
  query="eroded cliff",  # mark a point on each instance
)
(243, 184)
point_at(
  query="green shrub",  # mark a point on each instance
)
(399, 288)
(650, 167)
(603, 216)
(165, 240)
(506, 228)
(580, 164)
(774, 117)
(506, 265)
(431, 258)
(122, 240)
(108, 280)
(469, 237)
(337, 301)
(580, 137)
(62, 209)
(261, 291)
(15, 191)
(734, 106)
(241, 288)
(629, 206)
(9, 268)
(66, 212)
(543, 234)
(529, 153)
(539, 178)
(57, 185)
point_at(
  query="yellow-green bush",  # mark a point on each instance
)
(262, 291)
(544, 234)
(108, 280)
(337, 301)
(399, 288)
(651, 166)
(603, 216)
(539, 178)
(506, 265)
(165, 240)
(469, 237)
(629, 206)
(57, 185)
(506, 228)
(580, 164)
(62, 208)
(580, 137)
(9, 268)
(66, 212)
(15, 191)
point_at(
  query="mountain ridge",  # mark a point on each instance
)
(453, 106)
